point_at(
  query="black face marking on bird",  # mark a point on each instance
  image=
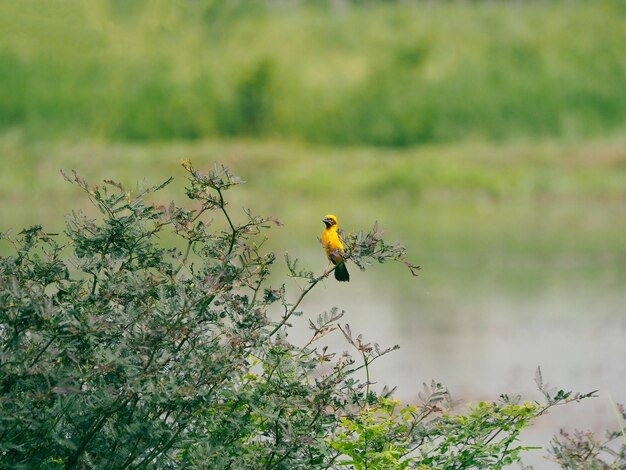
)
(329, 221)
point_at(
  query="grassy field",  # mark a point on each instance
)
(483, 133)
(521, 215)
(376, 73)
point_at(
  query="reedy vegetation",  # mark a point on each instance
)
(370, 73)
(119, 352)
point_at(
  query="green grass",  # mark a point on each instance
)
(519, 110)
(375, 74)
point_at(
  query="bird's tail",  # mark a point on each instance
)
(341, 273)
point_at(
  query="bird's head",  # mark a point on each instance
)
(329, 220)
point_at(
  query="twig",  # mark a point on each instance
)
(312, 284)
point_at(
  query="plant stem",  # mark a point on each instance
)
(230, 222)
(185, 256)
(367, 376)
(312, 284)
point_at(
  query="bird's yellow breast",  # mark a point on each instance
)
(332, 243)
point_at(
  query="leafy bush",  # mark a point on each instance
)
(584, 450)
(120, 352)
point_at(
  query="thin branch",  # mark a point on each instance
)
(293, 308)
(230, 222)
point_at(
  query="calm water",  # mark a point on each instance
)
(486, 340)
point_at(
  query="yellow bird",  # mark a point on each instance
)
(333, 248)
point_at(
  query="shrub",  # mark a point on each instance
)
(585, 450)
(120, 352)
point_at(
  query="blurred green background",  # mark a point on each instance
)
(363, 73)
(488, 137)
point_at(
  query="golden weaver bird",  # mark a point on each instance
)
(333, 248)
